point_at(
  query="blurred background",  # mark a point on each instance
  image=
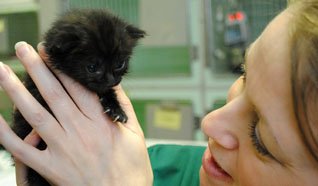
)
(182, 70)
(179, 72)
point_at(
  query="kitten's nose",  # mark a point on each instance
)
(111, 80)
(99, 75)
(110, 77)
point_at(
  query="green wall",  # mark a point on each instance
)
(126, 9)
(156, 61)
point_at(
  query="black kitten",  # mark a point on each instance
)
(93, 47)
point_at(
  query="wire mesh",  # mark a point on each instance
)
(260, 13)
(126, 9)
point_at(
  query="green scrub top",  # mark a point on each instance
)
(176, 165)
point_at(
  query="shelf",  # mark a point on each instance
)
(14, 6)
(161, 61)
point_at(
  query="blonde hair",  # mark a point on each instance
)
(304, 60)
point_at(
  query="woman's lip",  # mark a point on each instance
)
(212, 168)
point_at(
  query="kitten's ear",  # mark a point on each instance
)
(63, 47)
(59, 42)
(134, 32)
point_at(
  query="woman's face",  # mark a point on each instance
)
(254, 139)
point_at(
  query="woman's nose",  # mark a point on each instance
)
(218, 124)
(218, 128)
(235, 89)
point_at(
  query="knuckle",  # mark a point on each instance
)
(7, 74)
(53, 94)
(32, 58)
(32, 62)
(18, 152)
(37, 118)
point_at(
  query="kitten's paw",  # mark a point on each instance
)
(116, 115)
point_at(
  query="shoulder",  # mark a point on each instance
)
(176, 164)
(186, 151)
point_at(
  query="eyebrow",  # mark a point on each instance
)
(244, 64)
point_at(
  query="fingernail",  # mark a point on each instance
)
(40, 45)
(2, 69)
(1, 66)
(22, 48)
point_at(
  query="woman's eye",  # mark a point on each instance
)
(256, 139)
(92, 68)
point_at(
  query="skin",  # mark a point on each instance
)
(266, 94)
(118, 151)
(78, 117)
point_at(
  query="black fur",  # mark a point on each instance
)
(93, 47)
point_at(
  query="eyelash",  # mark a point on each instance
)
(259, 146)
(243, 72)
(253, 133)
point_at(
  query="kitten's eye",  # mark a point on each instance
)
(92, 68)
(121, 66)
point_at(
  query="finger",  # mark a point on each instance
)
(38, 117)
(21, 169)
(50, 88)
(19, 149)
(126, 105)
(87, 101)
(33, 138)
(41, 50)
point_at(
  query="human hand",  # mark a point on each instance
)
(84, 147)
